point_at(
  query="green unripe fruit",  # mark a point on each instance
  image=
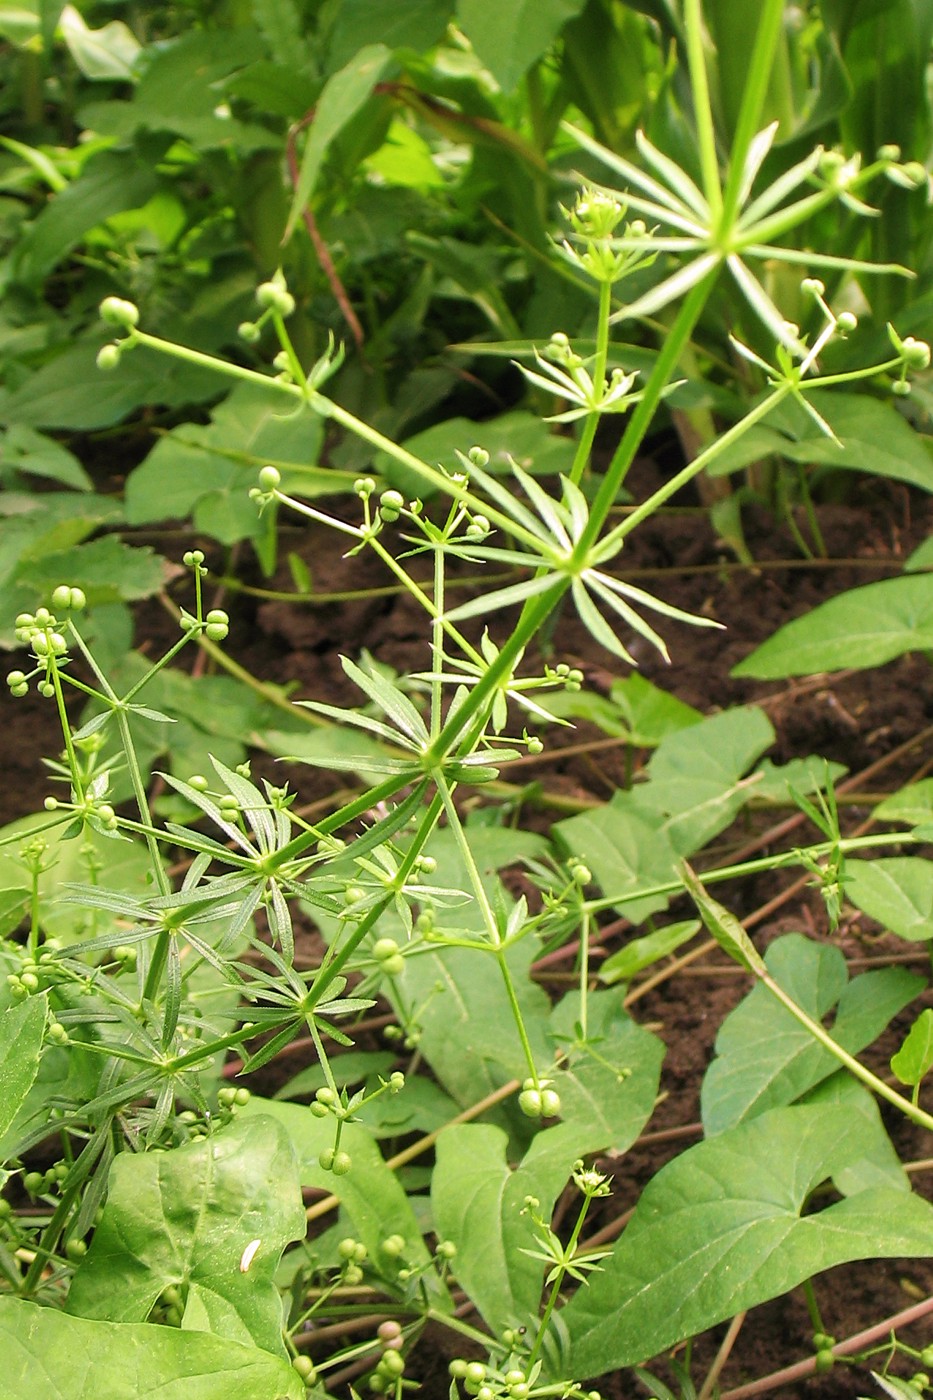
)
(305, 1368)
(57, 1033)
(218, 625)
(824, 1361)
(30, 981)
(388, 1331)
(458, 1369)
(475, 1372)
(326, 1095)
(198, 782)
(34, 1182)
(75, 1250)
(108, 357)
(114, 311)
(392, 1364)
(393, 967)
(529, 1101)
(16, 679)
(342, 1163)
(193, 558)
(393, 1246)
(269, 478)
(241, 1097)
(550, 1103)
(391, 504)
(384, 948)
(248, 331)
(346, 1249)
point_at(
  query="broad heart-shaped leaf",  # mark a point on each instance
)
(468, 1032)
(694, 790)
(895, 890)
(370, 1192)
(721, 1229)
(607, 1090)
(208, 470)
(49, 1354)
(765, 1058)
(872, 437)
(914, 1060)
(185, 1217)
(509, 38)
(912, 804)
(864, 627)
(416, 24)
(21, 1031)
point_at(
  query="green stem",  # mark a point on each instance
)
(585, 444)
(640, 420)
(556, 1286)
(753, 97)
(878, 1086)
(702, 109)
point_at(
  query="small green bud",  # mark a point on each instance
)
(193, 558)
(478, 457)
(846, 322)
(248, 331)
(269, 478)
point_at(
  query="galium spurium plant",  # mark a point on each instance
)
(149, 1197)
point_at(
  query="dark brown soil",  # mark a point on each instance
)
(858, 719)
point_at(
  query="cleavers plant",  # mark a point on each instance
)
(176, 1194)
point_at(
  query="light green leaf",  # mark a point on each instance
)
(722, 925)
(25, 450)
(722, 1228)
(895, 890)
(864, 627)
(478, 1200)
(341, 98)
(47, 1353)
(417, 24)
(185, 1217)
(695, 788)
(21, 1031)
(370, 1192)
(912, 805)
(108, 571)
(914, 1060)
(644, 952)
(109, 52)
(872, 437)
(110, 182)
(510, 38)
(209, 470)
(117, 865)
(766, 1059)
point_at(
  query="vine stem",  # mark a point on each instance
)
(801, 1369)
